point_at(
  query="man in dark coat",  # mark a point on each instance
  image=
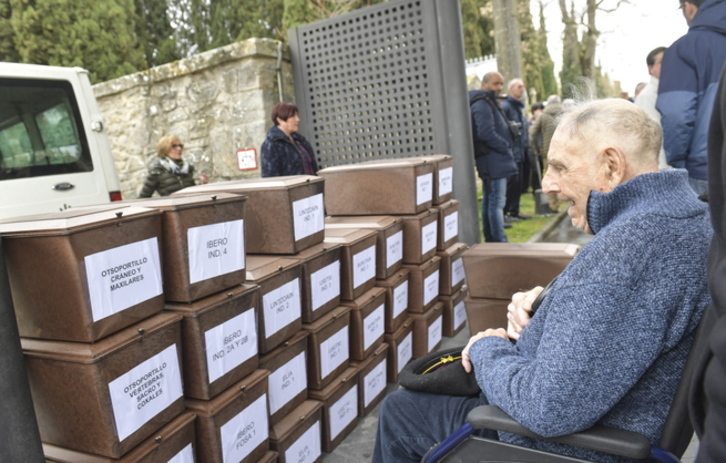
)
(708, 391)
(493, 150)
(513, 107)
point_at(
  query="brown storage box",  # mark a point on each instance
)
(280, 313)
(483, 314)
(372, 385)
(83, 275)
(452, 276)
(233, 426)
(389, 244)
(269, 457)
(367, 323)
(448, 233)
(454, 312)
(284, 215)
(423, 285)
(420, 237)
(297, 438)
(443, 176)
(219, 336)
(288, 380)
(203, 243)
(427, 330)
(107, 397)
(175, 440)
(358, 260)
(340, 408)
(320, 280)
(376, 188)
(498, 270)
(328, 347)
(396, 299)
(400, 349)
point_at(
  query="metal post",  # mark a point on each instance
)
(19, 435)
(456, 98)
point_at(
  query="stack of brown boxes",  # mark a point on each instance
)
(303, 329)
(495, 271)
(407, 203)
(104, 361)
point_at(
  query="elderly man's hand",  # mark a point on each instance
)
(519, 311)
(465, 360)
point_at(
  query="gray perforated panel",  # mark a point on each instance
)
(362, 84)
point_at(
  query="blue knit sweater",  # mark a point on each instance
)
(609, 343)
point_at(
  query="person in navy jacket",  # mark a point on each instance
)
(284, 151)
(689, 77)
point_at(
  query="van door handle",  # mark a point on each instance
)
(63, 186)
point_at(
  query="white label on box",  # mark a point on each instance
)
(307, 448)
(215, 250)
(451, 226)
(281, 307)
(457, 271)
(342, 412)
(122, 277)
(308, 216)
(373, 327)
(287, 381)
(333, 352)
(230, 344)
(428, 237)
(145, 391)
(424, 188)
(405, 351)
(446, 183)
(394, 249)
(185, 456)
(400, 298)
(435, 330)
(431, 287)
(459, 314)
(374, 383)
(245, 431)
(325, 285)
(364, 266)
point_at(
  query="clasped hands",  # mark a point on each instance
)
(519, 312)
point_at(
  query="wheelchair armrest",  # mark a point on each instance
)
(600, 438)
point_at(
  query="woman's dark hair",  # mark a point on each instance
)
(283, 110)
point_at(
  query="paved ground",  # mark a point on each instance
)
(358, 446)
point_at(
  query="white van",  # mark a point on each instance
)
(54, 150)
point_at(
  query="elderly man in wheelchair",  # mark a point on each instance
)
(608, 344)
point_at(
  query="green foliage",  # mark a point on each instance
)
(537, 63)
(478, 28)
(8, 52)
(98, 36)
(155, 33)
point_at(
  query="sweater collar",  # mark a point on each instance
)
(666, 191)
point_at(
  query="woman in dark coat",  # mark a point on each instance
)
(169, 173)
(284, 151)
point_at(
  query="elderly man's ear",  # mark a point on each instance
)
(615, 167)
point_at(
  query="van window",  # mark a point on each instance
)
(40, 130)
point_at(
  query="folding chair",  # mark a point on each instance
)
(463, 447)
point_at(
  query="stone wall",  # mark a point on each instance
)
(216, 102)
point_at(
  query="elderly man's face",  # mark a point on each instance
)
(573, 170)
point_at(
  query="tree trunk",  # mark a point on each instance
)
(507, 39)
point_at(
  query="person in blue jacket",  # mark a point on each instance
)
(689, 77)
(493, 143)
(284, 151)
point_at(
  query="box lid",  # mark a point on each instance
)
(290, 422)
(88, 353)
(260, 266)
(378, 164)
(368, 297)
(201, 306)
(315, 251)
(347, 236)
(454, 250)
(173, 203)
(252, 184)
(375, 222)
(299, 336)
(540, 250)
(229, 395)
(349, 375)
(72, 220)
(329, 317)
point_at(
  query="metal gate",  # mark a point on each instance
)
(388, 81)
